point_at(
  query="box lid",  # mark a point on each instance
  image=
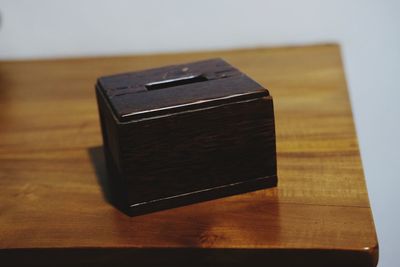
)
(177, 88)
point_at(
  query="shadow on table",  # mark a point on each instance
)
(110, 189)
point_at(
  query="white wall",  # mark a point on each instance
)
(369, 32)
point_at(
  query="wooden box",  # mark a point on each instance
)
(185, 133)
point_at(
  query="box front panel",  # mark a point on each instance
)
(197, 150)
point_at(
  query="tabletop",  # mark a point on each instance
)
(54, 207)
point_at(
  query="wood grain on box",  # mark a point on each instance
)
(185, 133)
(53, 209)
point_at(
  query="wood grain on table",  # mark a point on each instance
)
(53, 202)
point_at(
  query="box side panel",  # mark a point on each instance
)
(114, 182)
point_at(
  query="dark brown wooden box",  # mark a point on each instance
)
(185, 133)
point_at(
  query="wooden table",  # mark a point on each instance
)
(53, 202)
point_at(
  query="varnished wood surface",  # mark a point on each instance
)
(130, 97)
(53, 208)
